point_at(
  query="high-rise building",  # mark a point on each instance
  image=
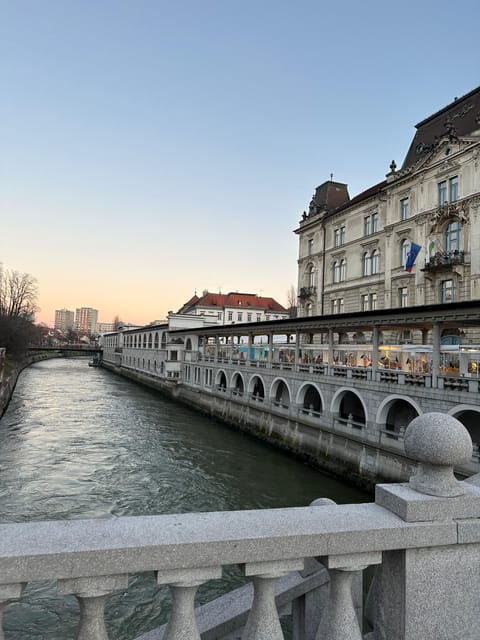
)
(86, 320)
(64, 319)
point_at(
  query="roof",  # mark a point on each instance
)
(330, 195)
(459, 118)
(232, 299)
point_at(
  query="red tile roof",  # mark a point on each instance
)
(233, 299)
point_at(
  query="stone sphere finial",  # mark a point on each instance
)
(438, 442)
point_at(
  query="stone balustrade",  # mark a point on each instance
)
(423, 537)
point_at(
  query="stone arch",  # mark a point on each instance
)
(237, 383)
(396, 412)
(221, 380)
(256, 388)
(347, 402)
(309, 398)
(469, 416)
(280, 393)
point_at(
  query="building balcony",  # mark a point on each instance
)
(306, 292)
(444, 260)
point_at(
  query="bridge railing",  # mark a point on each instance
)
(423, 537)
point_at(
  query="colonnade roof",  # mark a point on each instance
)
(454, 315)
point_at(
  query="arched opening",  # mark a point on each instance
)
(164, 340)
(258, 390)
(312, 402)
(188, 345)
(156, 340)
(237, 385)
(221, 381)
(144, 340)
(351, 410)
(281, 395)
(399, 416)
(149, 340)
(471, 421)
(451, 336)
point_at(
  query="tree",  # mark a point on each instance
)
(292, 301)
(117, 323)
(18, 294)
(18, 303)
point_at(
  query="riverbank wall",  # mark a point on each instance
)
(343, 456)
(7, 386)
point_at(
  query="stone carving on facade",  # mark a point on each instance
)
(455, 211)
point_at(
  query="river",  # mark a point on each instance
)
(80, 442)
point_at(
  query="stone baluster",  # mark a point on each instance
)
(263, 622)
(184, 584)
(339, 620)
(8, 593)
(92, 593)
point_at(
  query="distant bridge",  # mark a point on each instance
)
(83, 348)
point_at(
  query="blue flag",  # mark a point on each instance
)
(412, 256)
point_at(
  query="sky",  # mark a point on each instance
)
(153, 148)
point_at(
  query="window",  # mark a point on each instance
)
(219, 315)
(267, 317)
(403, 297)
(375, 262)
(336, 272)
(239, 316)
(364, 302)
(452, 237)
(374, 222)
(404, 249)
(366, 264)
(403, 208)
(343, 270)
(366, 225)
(311, 276)
(249, 317)
(230, 315)
(259, 317)
(373, 301)
(337, 306)
(453, 188)
(442, 192)
(447, 291)
(310, 246)
(339, 236)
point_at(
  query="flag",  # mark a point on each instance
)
(411, 256)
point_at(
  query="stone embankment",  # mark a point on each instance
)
(8, 384)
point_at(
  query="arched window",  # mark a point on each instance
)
(366, 264)
(343, 270)
(156, 340)
(149, 340)
(375, 261)
(452, 237)
(144, 340)
(311, 276)
(404, 249)
(336, 272)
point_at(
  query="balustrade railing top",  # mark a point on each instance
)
(416, 533)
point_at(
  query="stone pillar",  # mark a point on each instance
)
(431, 592)
(330, 352)
(216, 348)
(250, 341)
(375, 340)
(297, 349)
(435, 354)
(270, 348)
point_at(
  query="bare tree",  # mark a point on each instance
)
(117, 323)
(292, 301)
(18, 294)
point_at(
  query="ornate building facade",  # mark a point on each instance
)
(357, 254)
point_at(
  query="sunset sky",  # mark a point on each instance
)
(150, 147)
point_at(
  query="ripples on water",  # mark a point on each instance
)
(80, 442)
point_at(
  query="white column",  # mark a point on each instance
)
(92, 593)
(263, 622)
(184, 584)
(435, 353)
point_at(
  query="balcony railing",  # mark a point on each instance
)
(444, 260)
(306, 292)
(415, 534)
